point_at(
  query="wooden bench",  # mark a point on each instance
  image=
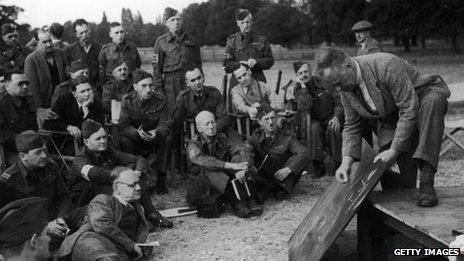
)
(397, 211)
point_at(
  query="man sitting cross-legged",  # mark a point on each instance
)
(113, 224)
(91, 169)
(279, 155)
(214, 153)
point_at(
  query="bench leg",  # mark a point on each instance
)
(370, 246)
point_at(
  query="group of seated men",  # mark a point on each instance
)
(104, 207)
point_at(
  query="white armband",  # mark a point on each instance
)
(85, 171)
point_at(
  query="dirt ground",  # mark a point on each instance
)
(265, 237)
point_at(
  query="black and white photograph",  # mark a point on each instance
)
(298, 130)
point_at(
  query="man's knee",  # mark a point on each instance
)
(433, 102)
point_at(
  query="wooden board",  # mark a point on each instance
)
(437, 222)
(334, 209)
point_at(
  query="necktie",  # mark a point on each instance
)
(358, 93)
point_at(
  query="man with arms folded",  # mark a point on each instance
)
(249, 94)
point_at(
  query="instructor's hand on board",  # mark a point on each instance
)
(344, 171)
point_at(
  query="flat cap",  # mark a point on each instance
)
(89, 127)
(28, 140)
(139, 74)
(263, 110)
(240, 14)
(297, 65)
(168, 13)
(21, 219)
(77, 65)
(8, 29)
(361, 26)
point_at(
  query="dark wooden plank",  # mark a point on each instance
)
(334, 209)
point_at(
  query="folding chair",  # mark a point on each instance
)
(455, 127)
(3, 164)
(188, 127)
(48, 135)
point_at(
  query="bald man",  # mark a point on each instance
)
(221, 159)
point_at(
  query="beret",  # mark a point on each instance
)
(240, 14)
(89, 127)
(77, 65)
(21, 219)
(8, 29)
(139, 74)
(361, 26)
(115, 64)
(263, 110)
(168, 13)
(297, 65)
(28, 140)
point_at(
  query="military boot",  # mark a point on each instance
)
(241, 210)
(157, 220)
(427, 195)
(256, 210)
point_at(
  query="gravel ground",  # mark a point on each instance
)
(265, 237)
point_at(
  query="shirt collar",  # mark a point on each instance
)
(359, 79)
(122, 201)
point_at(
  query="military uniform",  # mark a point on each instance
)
(16, 116)
(112, 53)
(211, 158)
(172, 55)
(18, 182)
(13, 56)
(241, 48)
(322, 104)
(99, 176)
(283, 150)
(188, 105)
(149, 114)
(114, 90)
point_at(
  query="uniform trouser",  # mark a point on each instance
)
(206, 186)
(425, 143)
(269, 182)
(173, 83)
(157, 152)
(324, 138)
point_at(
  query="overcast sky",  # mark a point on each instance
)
(43, 12)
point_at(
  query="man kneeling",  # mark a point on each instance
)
(214, 153)
(113, 224)
(280, 157)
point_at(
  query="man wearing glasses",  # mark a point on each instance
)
(17, 112)
(12, 55)
(113, 225)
